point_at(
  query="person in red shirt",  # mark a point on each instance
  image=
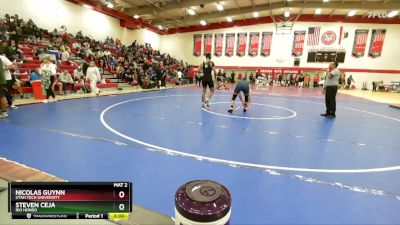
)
(307, 80)
(191, 75)
(316, 80)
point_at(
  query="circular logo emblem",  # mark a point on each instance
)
(207, 191)
(328, 38)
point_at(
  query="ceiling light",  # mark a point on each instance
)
(203, 22)
(318, 11)
(191, 12)
(220, 7)
(325, 1)
(110, 5)
(256, 14)
(87, 6)
(393, 13)
(136, 16)
(287, 13)
(352, 13)
(229, 19)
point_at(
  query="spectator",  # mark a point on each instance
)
(374, 85)
(67, 80)
(233, 76)
(316, 80)
(301, 80)
(191, 75)
(93, 74)
(65, 57)
(179, 73)
(10, 81)
(349, 81)
(307, 80)
(78, 74)
(35, 75)
(48, 72)
(5, 74)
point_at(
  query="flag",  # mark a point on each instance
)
(313, 36)
(343, 35)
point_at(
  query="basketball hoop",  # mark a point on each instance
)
(283, 28)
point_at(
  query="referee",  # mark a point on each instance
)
(330, 89)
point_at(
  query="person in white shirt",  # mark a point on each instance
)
(179, 76)
(76, 45)
(65, 56)
(88, 52)
(93, 74)
(67, 80)
(5, 67)
(48, 72)
(9, 82)
(100, 53)
(78, 74)
(107, 53)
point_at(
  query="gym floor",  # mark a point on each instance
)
(282, 161)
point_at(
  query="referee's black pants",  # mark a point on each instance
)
(9, 92)
(330, 99)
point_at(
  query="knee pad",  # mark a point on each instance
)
(234, 97)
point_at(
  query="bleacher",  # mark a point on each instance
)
(28, 65)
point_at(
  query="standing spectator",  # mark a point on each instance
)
(374, 85)
(307, 80)
(316, 80)
(5, 67)
(301, 80)
(322, 82)
(191, 75)
(342, 81)
(201, 75)
(179, 76)
(349, 81)
(67, 80)
(48, 71)
(233, 77)
(9, 80)
(93, 74)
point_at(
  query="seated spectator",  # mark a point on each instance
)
(34, 76)
(67, 80)
(76, 45)
(65, 56)
(78, 74)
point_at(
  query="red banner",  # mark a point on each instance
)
(229, 44)
(254, 43)
(298, 43)
(360, 43)
(207, 43)
(197, 44)
(218, 42)
(266, 43)
(376, 45)
(241, 44)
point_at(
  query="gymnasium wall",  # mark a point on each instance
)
(181, 46)
(50, 14)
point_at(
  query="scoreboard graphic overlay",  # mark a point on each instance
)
(70, 200)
